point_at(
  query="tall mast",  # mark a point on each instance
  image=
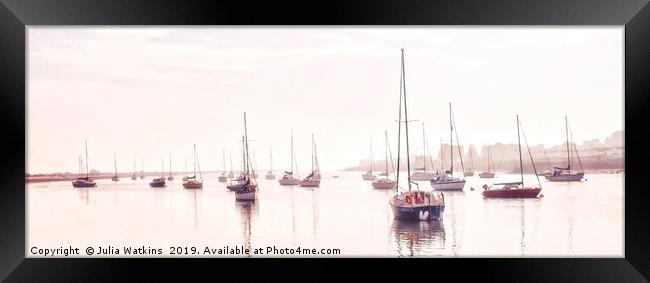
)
(243, 154)
(312, 153)
(372, 163)
(291, 151)
(424, 147)
(133, 165)
(246, 143)
(406, 126)
(451, 140)
(223, 158)
(194, 159)
(471, 159)
(162, 173)
(170, 164)
(521, 166)
(386, 159)
(316, 159)
(230, 156)
(399, 123)
(271, 155)
(568, 155)
(86, 142)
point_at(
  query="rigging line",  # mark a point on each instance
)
(529, 153)
(576, 150)
(462, 166)
(399, 126)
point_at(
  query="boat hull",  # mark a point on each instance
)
(193, 185)
(246, 196)
(383, 185)
(310, 183)
(289, 182)
(429, 212)
(115, 179)
(565, 178)
(486, 175)
(83, 184)
(158, 184)
(223, 179)
(512, 193)
(170, 178)
(448, 186)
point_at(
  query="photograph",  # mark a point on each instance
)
(324, 141)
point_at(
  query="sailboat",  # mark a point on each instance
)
(185, 178)
(115, 178)
(422, 174)
(412, 204)
(269, 175)
(289, 179)
(235, 184)
(490, 171)
(171, 177)
(470, 172)
(369, 176)
(134, 176)
(248, 188)
(192, 182)
(223, 177)
(231, 174)
(514, 189)
(160, 182)
(87, 181)
(566, 174)
(446, 181)
(313, 179)
(142, 168)
(384, 182)
(546, 172)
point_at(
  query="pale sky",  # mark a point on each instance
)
(149, 91)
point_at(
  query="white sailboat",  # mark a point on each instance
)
(193, 182)
(223, 177)
(422, 174)
(370, 176)
(115, 178)
(269, 175)
(289, 179)
(313, 179)
(447, 181)
(384, 181)
(490, 170)
(248, 188)
(565, 174)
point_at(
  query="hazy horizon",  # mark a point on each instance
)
(146, 92)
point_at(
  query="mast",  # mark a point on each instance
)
(471, 159)
(312, 153)
(316, 161)
(451, 140)
(246, 144)
(230, 156)
(271, 155)
(292, 151)
(568, 155)
(223, 158)
(386, 160)
(134, 165)
(162, 173)
(372, 163)
(194, 160)
(424, 147)
(142, 165)
(399, 122)
(170, 164)
(115, 162)
(406, 126)
(521, 166)
(86, 142)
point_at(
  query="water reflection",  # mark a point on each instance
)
(315, 211)
(417, 238)
(523, 228)
(83, 195)
(247, 210)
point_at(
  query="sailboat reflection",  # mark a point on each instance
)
(84, 195)
(418, 238)
(247, 211)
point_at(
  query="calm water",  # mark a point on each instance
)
(572, 219)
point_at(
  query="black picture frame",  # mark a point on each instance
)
(15, 15)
